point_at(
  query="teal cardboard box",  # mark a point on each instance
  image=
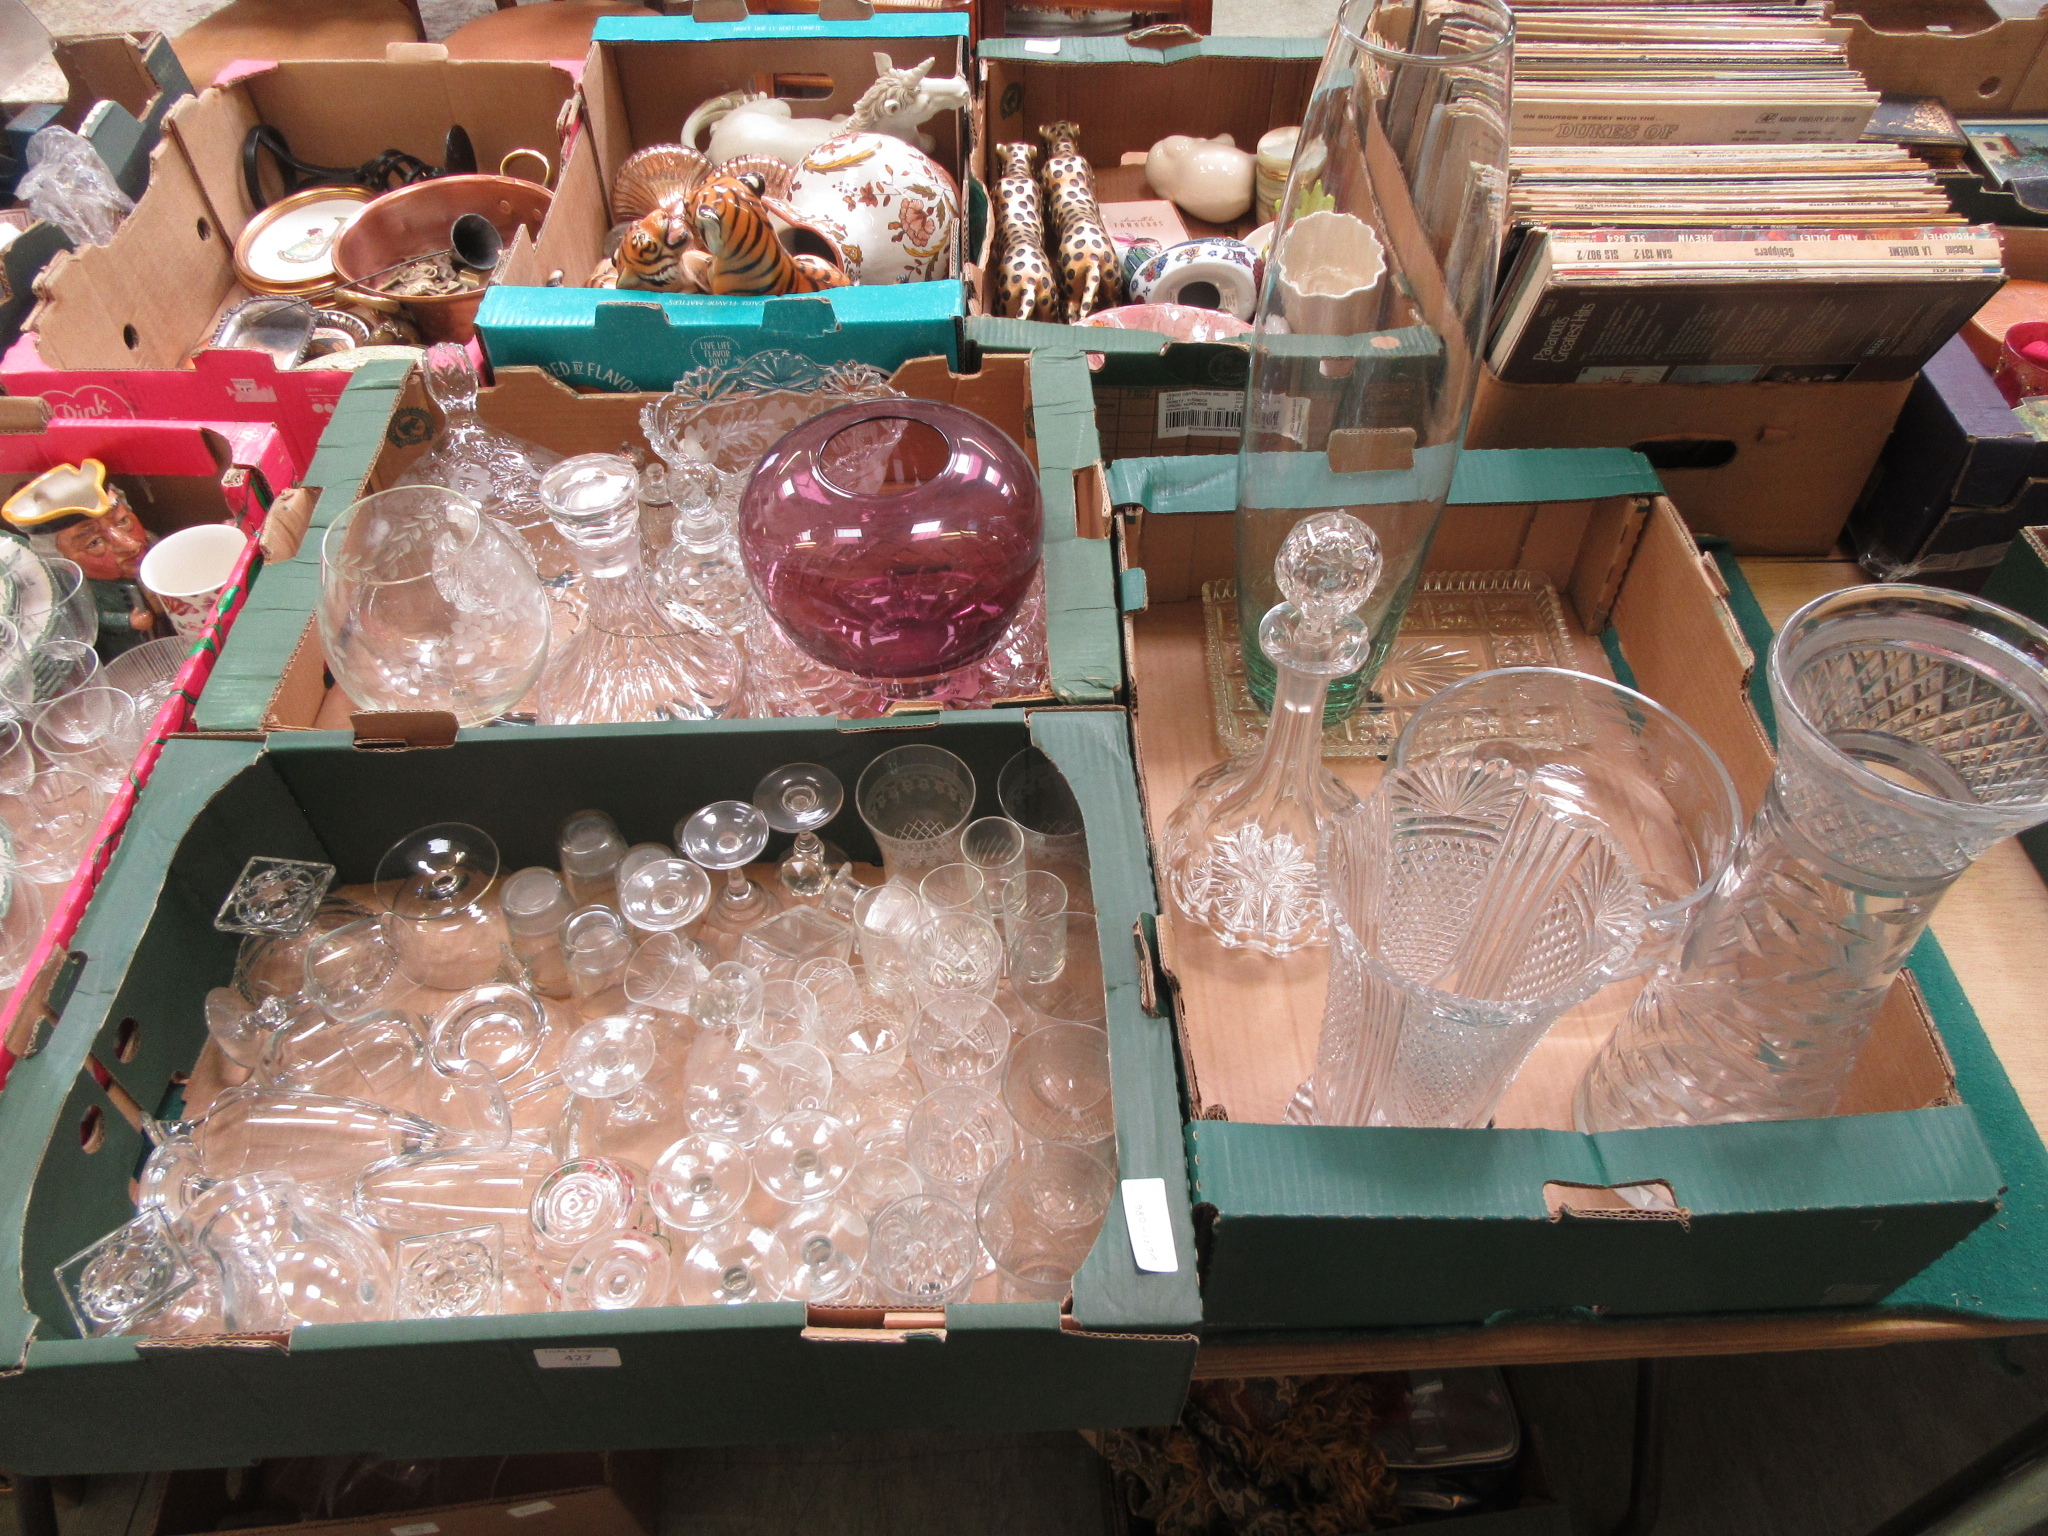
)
(271, 676)
(661, 1376)
(643, 78)
(1353, 1229)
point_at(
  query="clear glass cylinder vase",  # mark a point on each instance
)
(1366, 344)
(1912, 735)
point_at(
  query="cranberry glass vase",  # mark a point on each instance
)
(893, 539)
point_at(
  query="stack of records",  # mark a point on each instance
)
(1737, 305)
(1684, 72)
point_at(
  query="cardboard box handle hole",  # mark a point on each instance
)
(1685, 452)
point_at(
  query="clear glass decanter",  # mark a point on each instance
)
(699, 568)
(631, 659)
(1912, 735)
(499, 472)
(1240, 849)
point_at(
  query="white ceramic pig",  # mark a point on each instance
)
(1210, 178)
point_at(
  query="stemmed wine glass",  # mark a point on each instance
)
(434, 882)
(729, 835)
(800, 798)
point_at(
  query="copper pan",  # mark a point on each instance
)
(414, 220)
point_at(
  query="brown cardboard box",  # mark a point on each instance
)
(1775, 468)
(615, 1493)
(640, 93)
(1978, 62)
(532, 404)
(1248, 1032)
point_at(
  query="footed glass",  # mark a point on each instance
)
(1912, 735)
(1039, 1215)
(1366, 344)
(700, 1182)
(427, 604)
(727, 1265)
(618, 1270)
(434, 882)
(800, 798)
(584, 1198)
(1240, 849)
(286, 1263)
(631, 659)
(729, 835)
(818, 1253)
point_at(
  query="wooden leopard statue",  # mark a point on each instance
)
(1025, 287)
(1084, 258)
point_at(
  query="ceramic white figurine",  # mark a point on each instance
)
(751, 123)
(1210, 178)
(890, 207)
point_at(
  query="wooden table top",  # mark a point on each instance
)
(1990, 924)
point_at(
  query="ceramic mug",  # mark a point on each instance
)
(185, 572)
(1214, 273)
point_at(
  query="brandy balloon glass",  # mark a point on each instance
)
(427, 604)
(933, 528)
(1240, 848)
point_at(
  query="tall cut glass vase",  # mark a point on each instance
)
(1912, 735)
(1366, 345)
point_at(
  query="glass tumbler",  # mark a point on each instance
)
(958, 1135)
(915, 800)
(427, 604)
(1036, 796)
(1038, 1216)
(923, 1251)
(1365, 348)
(52, 821)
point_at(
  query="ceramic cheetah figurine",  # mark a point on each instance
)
(1025, 289)
(1083, 256)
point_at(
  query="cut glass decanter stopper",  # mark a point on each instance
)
(699, 567)
(1241, 847)
(632, 658)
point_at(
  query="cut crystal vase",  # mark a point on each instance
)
(1912, 735)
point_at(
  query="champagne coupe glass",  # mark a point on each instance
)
(729, 835)
(805, 1071)
(804, 1157)
(818, 1253)
(699, 1183)
(800, 798)
(619, 1270)
(434, 882)
(728, 1265)
(732, 1093)
(923, 1251)
(664, 894)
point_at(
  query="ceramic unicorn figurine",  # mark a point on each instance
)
(751, 123)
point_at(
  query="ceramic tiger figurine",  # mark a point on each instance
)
(1025, 288)
(651, 252)
(746, 259)
(1082, 254)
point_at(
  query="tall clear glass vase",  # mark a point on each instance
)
(1912, 735)
(1366, 345)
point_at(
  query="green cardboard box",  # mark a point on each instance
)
(1346, 1229)
(271, 676)
(679, 1375)
(643, 77)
